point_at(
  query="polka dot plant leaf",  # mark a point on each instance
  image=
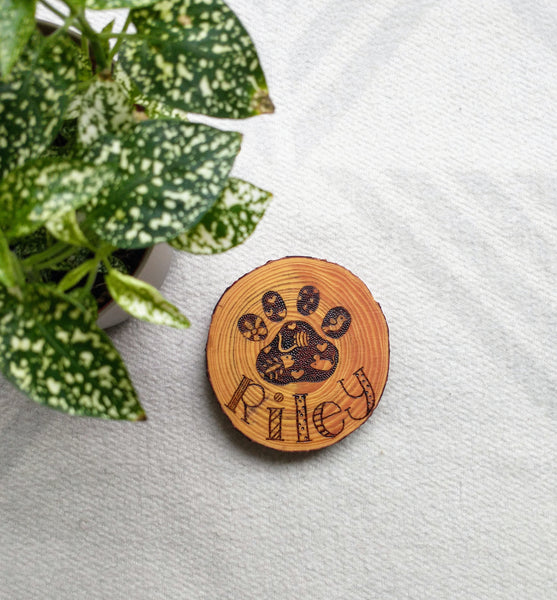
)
(52, 350)
(169, 174)
(104, 108)
(34, 98)
(152, 109)
(195, 55)
(143, 301)
(16, 26)
(65, 227)
(45, 188)
(232, 219)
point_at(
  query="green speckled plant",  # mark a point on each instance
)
(97, 154)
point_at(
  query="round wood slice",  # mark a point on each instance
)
(298, 353)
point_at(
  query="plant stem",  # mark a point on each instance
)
(92, 276)
(121, 36)
(49, 264)
(18, 271)
(101, 256)
(69, 22)
(106, 263)
(47, 254)
(87, 31)
(54, 10)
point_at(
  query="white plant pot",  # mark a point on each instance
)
(152, 269)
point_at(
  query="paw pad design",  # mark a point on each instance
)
(297, 352)
(273, 306)
(252, 327)
(336, 322)
(308, 300)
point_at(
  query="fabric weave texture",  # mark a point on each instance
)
(414, 143)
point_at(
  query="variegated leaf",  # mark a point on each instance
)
(9, 276)
(104, 108)
(152, 109)
(73, 277)
(43, 189)
(52, 350)
(85, 300)
(16, 26)
(169, 175)
(34, 99)
(64, 227)
(230, 221)
(143, 301)
(195, 55)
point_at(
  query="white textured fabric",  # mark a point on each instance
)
(414, 142)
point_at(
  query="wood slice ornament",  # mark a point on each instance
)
(298, 353)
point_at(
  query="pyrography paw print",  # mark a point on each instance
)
(297, 352)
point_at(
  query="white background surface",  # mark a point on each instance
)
(414, 143)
